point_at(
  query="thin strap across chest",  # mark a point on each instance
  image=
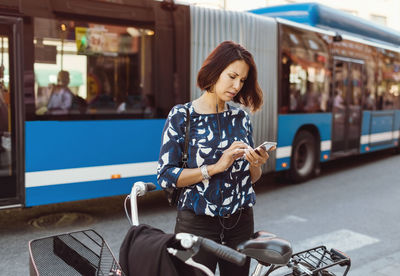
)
(186, 145)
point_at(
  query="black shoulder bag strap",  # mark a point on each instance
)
(185, 151)
(176, 194)
(173, 194)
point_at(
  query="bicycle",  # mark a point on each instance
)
(86, 252)
(272, 252)
(266, 248)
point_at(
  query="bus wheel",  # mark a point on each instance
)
(304, 162)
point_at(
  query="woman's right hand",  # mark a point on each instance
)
(191, 176)
(235, 151)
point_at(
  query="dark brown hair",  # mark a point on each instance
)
(227, 52)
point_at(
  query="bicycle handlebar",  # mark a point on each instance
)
(140, 188)
(222, 251)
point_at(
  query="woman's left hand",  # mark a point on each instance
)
(257, 157)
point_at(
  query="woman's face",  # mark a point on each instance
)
(231, 80)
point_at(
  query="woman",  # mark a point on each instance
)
(218, 196)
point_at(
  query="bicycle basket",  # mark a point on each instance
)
(76, 253)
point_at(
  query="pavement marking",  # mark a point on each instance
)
(344, 240)
(385, 266)
(290, 219)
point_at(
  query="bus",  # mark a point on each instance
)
(86, 85)
(339, 86)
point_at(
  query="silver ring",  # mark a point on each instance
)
(256, 162)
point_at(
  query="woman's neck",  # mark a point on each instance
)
(207, 103)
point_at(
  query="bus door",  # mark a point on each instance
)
(346, 109)
(11, 111)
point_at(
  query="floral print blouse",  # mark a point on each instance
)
(210, 135)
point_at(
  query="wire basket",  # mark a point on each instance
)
(316, 261)
(76, 253)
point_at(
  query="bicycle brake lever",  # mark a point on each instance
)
(190, 245)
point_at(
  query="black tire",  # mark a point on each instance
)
(304, 162)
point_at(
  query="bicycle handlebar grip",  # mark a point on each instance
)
(223, 251)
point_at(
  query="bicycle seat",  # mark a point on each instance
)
(263, 234)
(267, 249)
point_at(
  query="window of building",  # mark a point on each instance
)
(380, 19)
(351, 12)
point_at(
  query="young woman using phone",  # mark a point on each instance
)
(218, 195)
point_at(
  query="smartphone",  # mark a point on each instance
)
(267, 145)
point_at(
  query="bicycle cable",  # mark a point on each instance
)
(126, 209)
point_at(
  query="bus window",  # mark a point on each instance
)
(388, 81)
(369, 102)
(93, 69)
(5, 111)
(305, 72)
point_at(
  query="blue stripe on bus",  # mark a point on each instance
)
(376, 147)
(289, 124)
(397, 119)
(328, 155)
(378, 121)
(52, 145)
(306, 13)
(381, 121)
(83, 190)
(279, 164)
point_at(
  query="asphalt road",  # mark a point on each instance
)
(353, 206)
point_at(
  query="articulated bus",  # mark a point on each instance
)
(330, 91)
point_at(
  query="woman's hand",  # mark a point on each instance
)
(235, 151)
(257, 157)
(194, 175)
